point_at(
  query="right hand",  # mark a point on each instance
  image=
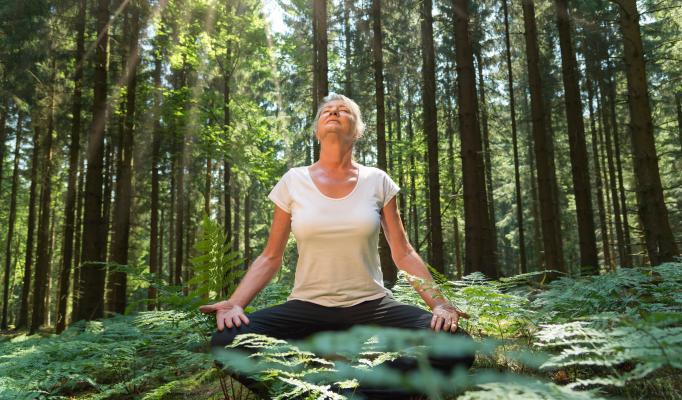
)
(226, 314)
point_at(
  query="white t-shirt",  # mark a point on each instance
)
(337, 239)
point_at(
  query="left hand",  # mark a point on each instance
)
(445, 317)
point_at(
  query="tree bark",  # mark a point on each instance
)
(488, 172)
(74, 151)
(3, 132)
(93, 272)
(123, 201)
(517, 174)
(248, 209)
(22, 321)
(552, 246)
(390, 273)
(627, 252)
(430, 121)
(237, 217)
(348, 83)
(678, 104)
(479, 241)
(598, 179)
(10, 221)
(589, 262)
(606, 131)
(40, 283)
(227, 168)
(180, 189)
(653, 214)
(320, 66)
(413, 186)
(154, 253)
(77, 242)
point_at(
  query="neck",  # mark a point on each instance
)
(336, 156)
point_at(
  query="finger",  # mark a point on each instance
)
(462, 314)
(455, 324)
(439, 324)
(447, 324)
(433, 322)
(237, 322)
(220, 323)
(244, 318)
(208, 308)
(228, 323)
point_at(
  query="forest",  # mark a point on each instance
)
(537, 145)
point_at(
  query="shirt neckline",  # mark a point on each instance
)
(310, 178)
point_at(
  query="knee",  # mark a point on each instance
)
(220, 339)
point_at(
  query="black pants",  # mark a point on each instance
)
(297, 319)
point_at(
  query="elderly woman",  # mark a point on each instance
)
(334, 208)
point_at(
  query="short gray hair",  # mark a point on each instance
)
(354, 110)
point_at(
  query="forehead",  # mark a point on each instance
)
(336, 103)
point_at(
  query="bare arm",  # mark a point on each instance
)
(259, 274)
(408, 260)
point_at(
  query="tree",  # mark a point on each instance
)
(653, 213)
(517, 175)
(121, 227)
(479, 238)
(74, 151)
(430, 120)
(589, 262)
(11, 220)
(545, 173)
(91, 305)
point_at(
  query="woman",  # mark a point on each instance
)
(334, 208)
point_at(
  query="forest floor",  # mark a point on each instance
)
(613, 336)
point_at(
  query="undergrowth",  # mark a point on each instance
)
(617, 335)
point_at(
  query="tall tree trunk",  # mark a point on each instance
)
(413, 173)
(627, 260)
(10, 221)
(3, 132)
(488, 172)
(207, 185)
(227, 168)
(479, 240)
(22, 321)
(237, 217)
(123, 202)
(450, 131)
(606, 131)
(320, 67)
(678, 104)
(248, 209)
(399, 143)
(553, 253)
(180, 189)
(74, 151)
(40, 282)
(154, 253)
(389, 271)
(77, 241)
(653, 214)
(517, 175)
(93, 272)
(598, 179)
(348, 82)
(430, 121)
(589, 262)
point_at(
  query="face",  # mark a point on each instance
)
(336, 119)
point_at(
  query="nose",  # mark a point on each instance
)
(334, 111)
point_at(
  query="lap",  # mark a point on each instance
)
(297, 319)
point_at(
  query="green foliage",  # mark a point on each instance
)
(120, 356)
(217, 268)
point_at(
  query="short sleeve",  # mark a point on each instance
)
(280, 194)
(390, 188)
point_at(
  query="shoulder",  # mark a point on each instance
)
(294, 174)
(376, 173)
